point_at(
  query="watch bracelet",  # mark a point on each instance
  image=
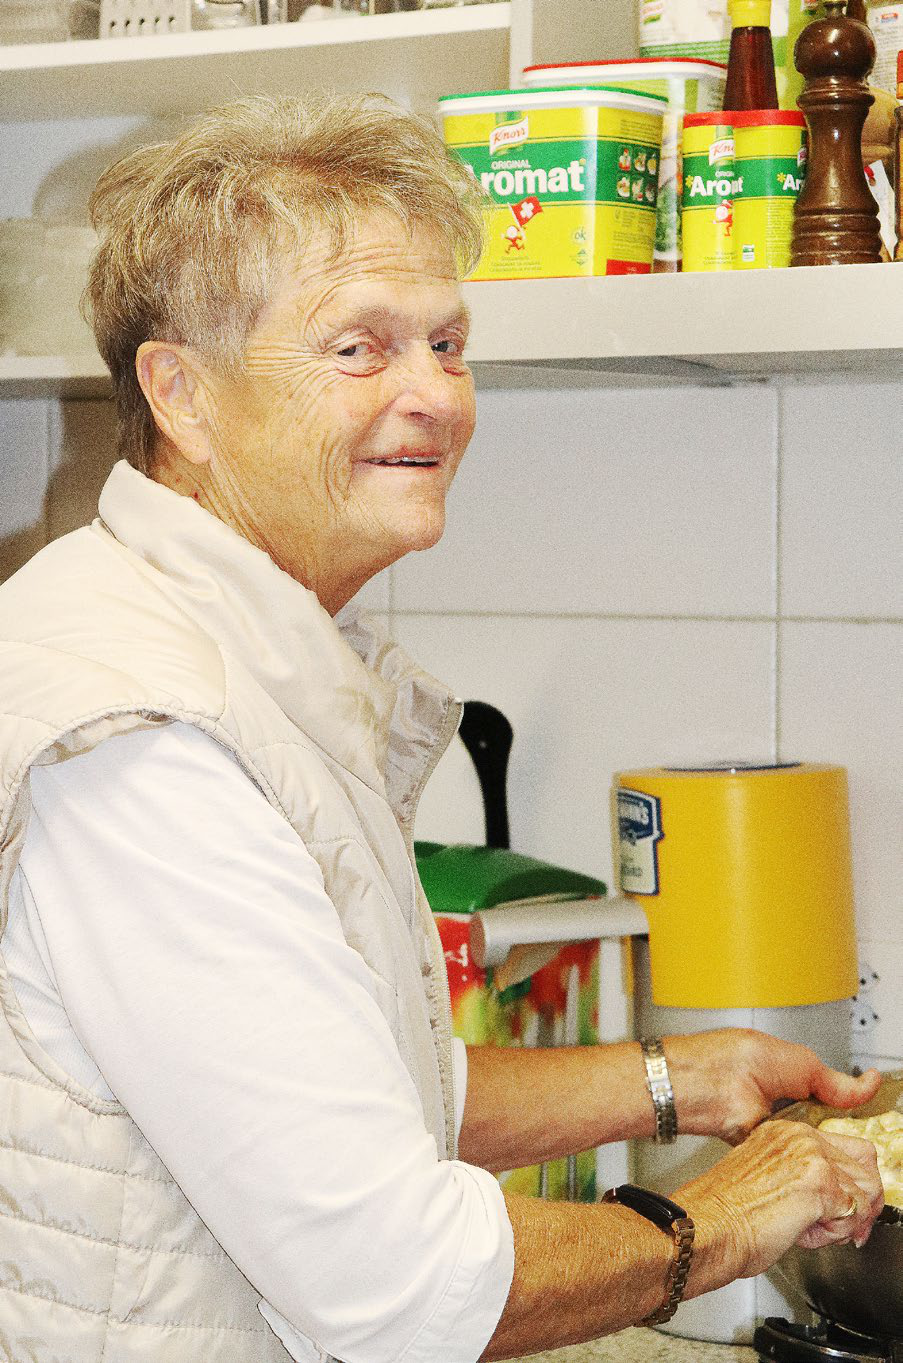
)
(658, 1082)
(683, 1232)
(679, 1270)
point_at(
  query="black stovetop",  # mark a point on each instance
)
(826, 1342)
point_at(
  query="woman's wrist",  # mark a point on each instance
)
(661, 1091)
(722, 1245)
(696, 1066)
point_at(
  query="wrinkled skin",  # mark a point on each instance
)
(785, 1182)
(728, 1080)
(788, 1183)
(352, 360)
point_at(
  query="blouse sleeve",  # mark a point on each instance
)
(204, 970)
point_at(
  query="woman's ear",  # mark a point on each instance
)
(175, 384)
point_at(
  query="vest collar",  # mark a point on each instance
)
(358, 696)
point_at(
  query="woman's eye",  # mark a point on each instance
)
(360, 357)
(450, 346)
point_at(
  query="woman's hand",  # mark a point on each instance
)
(584, 1271)
(727, 1081)
(787, 1184)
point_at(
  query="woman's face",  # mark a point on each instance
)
(335, 448)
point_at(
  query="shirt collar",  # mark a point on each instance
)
(356, 694)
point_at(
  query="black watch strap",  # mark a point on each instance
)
(673, 1220)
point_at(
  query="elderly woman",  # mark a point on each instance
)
(236, 1126)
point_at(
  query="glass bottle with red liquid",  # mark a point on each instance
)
(750, 80)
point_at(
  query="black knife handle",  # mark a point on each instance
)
(488, 736)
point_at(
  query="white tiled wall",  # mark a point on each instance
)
(634, 577)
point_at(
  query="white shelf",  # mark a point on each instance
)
(846, 320)
(677, 328)
(413, 56)
(57, 376)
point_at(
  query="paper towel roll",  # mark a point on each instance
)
(527, 922)
(745, 875)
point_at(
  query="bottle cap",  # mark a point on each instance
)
(716, 120)
(750, 13)
(764, 118)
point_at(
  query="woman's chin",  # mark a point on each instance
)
(429, 533)
(421, 527)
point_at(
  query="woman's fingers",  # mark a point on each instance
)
(859, 1183)
(791, 1184)
(836, 1089)
(860, 1160)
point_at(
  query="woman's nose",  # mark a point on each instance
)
(427, 389)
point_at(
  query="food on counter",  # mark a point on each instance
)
(886, 1134)
(743, 173)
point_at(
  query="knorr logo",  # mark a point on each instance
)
(508, 135)
(721, 149)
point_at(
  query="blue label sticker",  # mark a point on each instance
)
(639, 833)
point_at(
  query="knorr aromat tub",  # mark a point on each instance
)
(572, 176)
(690, 87)
(709, 187)
(770, 159)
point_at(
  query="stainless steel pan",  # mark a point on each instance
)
(860, 1288)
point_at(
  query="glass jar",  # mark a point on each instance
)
(212, 14)
(43, 270)
(379, 6)
(33, 21)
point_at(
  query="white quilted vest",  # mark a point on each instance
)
(156, 612)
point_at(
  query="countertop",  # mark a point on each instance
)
(646, 1346)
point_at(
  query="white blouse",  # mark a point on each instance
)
(172, 944)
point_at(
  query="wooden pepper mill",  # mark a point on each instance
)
(836, 220)
(898, 163)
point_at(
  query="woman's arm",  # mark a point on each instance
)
(205, 970)
(585, 1271)
(525, 1106)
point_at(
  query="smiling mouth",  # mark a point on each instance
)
(407, 461)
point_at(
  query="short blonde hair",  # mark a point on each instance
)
(192, 230)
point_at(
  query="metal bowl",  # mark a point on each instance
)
(859, 1288)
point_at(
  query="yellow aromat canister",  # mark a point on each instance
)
(707, 192)
(570, 177)
(770, 157)
(745, 876)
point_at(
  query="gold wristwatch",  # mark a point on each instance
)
(671, 1219)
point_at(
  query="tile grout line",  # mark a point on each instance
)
(49, 412)
(415, 613)
(778, 577)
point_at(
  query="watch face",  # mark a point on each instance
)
(657, 1208)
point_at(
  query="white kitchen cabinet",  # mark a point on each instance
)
(67, 108)
(414, 57)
